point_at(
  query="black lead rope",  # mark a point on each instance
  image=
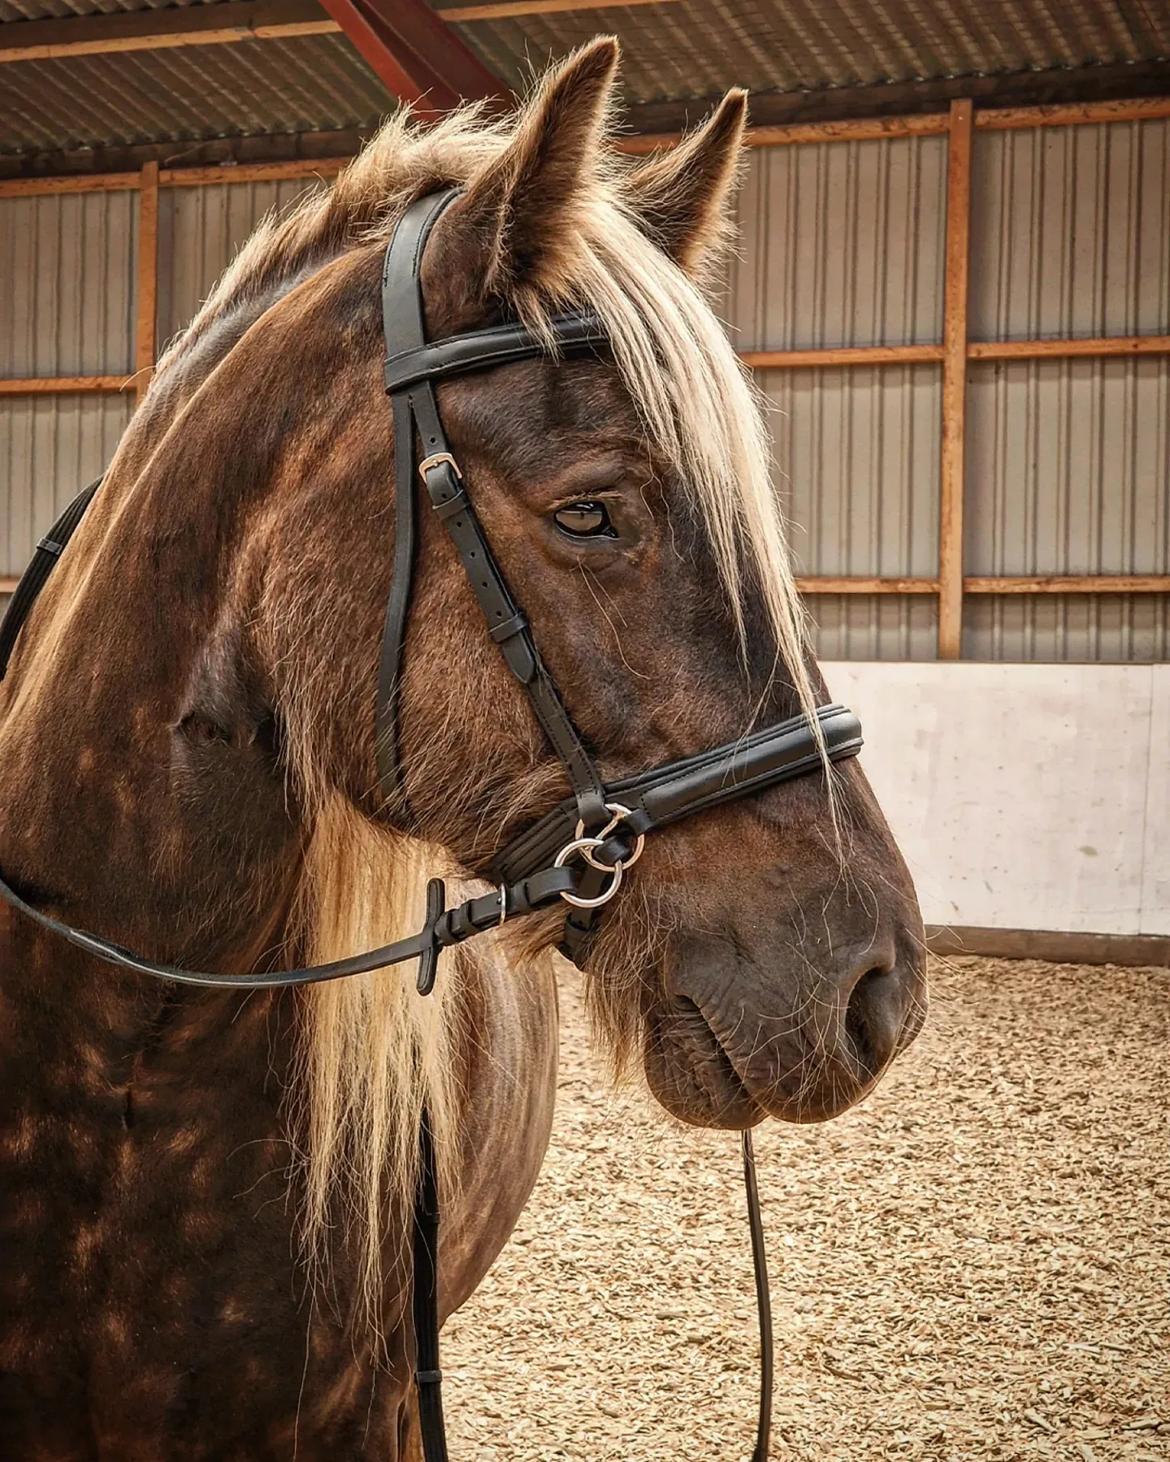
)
(428, 1376)
(763, 1301)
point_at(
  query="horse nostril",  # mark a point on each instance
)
(873, 1016)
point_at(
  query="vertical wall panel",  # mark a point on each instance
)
(1068, 473)
(1073, 628)
(855, 457)
(66, 284)
(50, 447)
(841, 244)
(1069, 231)
(200, 231)
(66, 309)
(1069, 467)
(874, 627)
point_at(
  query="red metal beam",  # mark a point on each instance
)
(416, 55)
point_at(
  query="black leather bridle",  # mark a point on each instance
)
(581, 849)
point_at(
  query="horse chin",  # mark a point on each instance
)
(690, 1073)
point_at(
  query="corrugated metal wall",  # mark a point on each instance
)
(842, 245)
(1069, 231)
(1068, 465)
(66, 308)
(199, 231)
(1068, 462)
(1068, 472)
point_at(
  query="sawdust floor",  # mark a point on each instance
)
(974, 1264)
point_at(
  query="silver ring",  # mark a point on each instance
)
(618, 815)
(582, 845)
(503, 905)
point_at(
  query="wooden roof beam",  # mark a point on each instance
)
(415, 54)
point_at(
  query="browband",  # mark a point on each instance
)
(496, 346)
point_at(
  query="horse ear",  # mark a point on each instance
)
(512, 230)
(682, 197)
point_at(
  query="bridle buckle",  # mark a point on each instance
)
(436, 459)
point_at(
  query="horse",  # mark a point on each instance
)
(208, 1192)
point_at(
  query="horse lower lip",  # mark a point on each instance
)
(691, 1072)
(790, 1095)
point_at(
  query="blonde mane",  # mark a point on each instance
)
(374, 1053)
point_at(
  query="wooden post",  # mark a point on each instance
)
(146, 294)
(954, 384)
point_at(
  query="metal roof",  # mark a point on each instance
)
(307, 84)
(686, 49)
(60, 9)
(675, 52)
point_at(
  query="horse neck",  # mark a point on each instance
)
(139, 795)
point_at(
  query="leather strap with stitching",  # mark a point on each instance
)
(412, 394)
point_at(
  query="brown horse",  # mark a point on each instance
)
(205, 1194)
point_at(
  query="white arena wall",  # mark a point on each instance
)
(1025, 797)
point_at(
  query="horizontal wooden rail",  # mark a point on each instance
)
(827, 584)
(64, 385)
(1069, 584)
(1072, 114)
(82, 183)
(994, 584)
(787, 134)
(1073, 348)
(844, 355)
(1052, 584)
(308, 168)
(930, 124)
(1069, 349)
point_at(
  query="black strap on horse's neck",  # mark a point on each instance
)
(579, 851)
(41, 565)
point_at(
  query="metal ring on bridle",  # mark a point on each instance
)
(582, 845)
(618, 815)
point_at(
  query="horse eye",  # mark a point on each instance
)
(585, 520)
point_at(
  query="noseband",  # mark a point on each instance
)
(579, 852)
